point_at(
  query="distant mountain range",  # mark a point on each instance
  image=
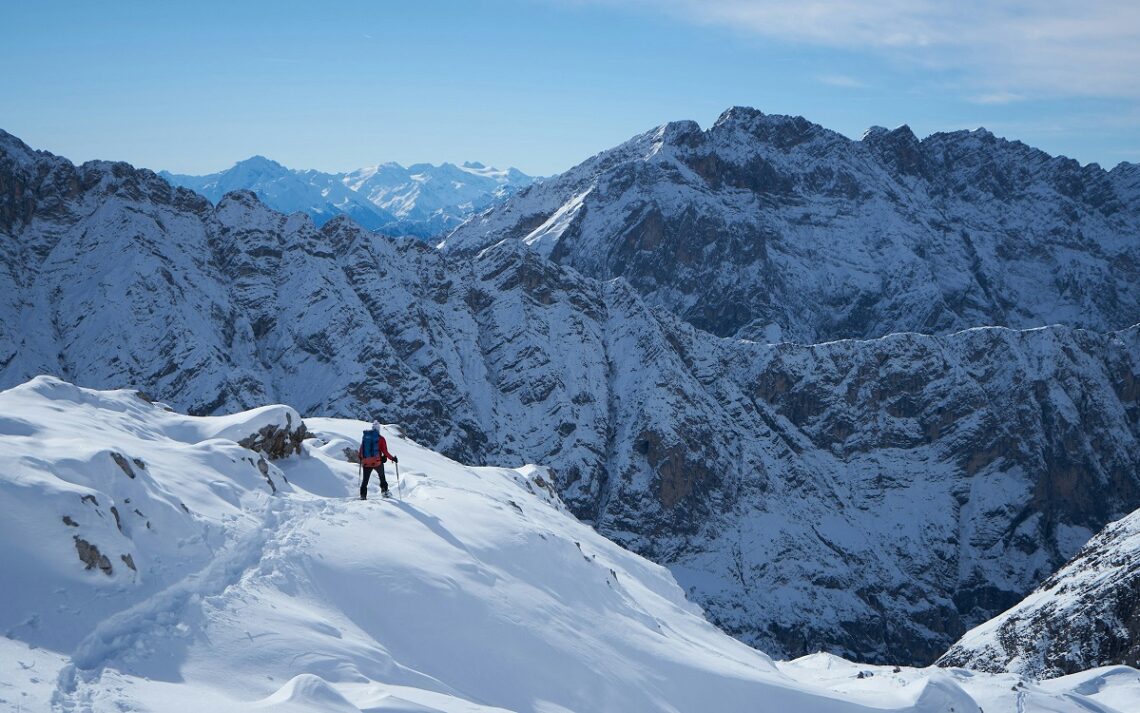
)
(421, 200)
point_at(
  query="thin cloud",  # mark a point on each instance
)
(841, 80)
(1031, 48)
(996, 98)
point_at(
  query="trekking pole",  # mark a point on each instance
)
(360, 470)
(399, 486)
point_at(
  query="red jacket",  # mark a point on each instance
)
(373, 462)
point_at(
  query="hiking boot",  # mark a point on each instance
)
(384, 494)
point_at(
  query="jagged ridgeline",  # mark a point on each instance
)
(776, 227)
(872, 498)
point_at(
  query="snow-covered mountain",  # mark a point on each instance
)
(421, 200)
(1085, 614)
(431, 200)
(320, 195)
(778, 229)
(874, 498)
(153, 562)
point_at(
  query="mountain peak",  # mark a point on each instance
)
(779, 130)
(685, 132)
(898, 148)
(243, 197)
(259, 163)
(738, 114)
(10, 140)
(900, 132)
(14, 148)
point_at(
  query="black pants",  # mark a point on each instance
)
(367, 474)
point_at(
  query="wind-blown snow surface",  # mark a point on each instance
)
(476, 591)
(421, 200)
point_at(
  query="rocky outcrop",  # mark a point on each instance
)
(1084, 616)
(773, 228)
(277, 441)
(90, 555)
(875, 498)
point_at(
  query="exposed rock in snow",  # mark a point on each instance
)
(1084, 616)
(777, 229)
(276, 441)
(872, 498)
(90, 555)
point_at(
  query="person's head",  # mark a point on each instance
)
(376, 426)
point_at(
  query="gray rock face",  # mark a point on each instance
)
(1084, 616)
(872, 498)
(773, 228)
(90, 555)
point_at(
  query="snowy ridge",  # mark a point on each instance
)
(871, 498)
(1084, 615)
(473, 591)
(421, 200)
(778, 229)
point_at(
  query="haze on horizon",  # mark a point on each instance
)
(543, 84)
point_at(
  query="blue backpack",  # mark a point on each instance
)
(370, 449)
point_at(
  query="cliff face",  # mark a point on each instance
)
(774, 228)
(873, 498)
(939, 477)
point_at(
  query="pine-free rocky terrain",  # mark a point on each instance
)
(952, 425)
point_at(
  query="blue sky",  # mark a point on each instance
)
(543, 84)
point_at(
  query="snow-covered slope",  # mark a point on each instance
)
(421, 200)
(778, 229)
(872, 498)
(1085, 615)
(153, 564)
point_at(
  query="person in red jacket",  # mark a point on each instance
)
(378, 453)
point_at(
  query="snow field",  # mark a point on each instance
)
(472, 591)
